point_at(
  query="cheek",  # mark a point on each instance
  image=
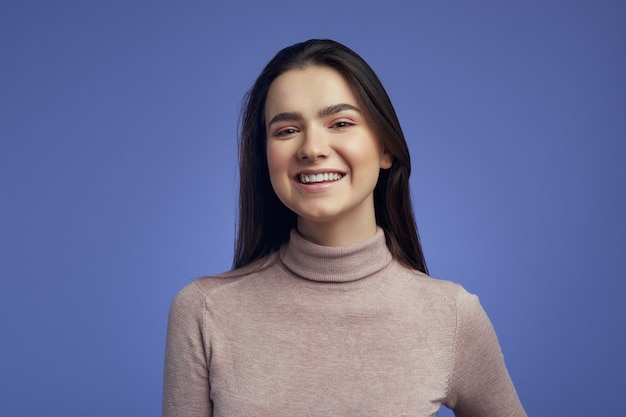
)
(364, 154)
(366, 164)
(277, 161)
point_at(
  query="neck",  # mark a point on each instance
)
(345, 264)
(335, 234)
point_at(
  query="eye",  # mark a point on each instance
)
(342, 124)
(286, 132)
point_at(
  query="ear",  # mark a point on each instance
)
(386, 160)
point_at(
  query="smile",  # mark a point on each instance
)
(321, 177)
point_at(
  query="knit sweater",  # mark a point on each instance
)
(332, 331)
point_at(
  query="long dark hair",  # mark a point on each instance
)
(264, 221)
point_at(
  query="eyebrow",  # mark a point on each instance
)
(325, 112)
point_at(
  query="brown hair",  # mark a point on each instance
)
(264, 221)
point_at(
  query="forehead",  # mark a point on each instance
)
(308, 89)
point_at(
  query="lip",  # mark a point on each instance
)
(319, 171)
(298, 174)
(318, 186)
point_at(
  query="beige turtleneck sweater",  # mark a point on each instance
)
(332, 331)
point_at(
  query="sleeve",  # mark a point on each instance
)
(186, 387)
(479, 385)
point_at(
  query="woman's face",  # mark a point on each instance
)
(323, 158)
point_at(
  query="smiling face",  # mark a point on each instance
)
(323, 158)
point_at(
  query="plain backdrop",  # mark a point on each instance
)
(118, 179)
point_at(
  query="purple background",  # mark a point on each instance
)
(118, 178)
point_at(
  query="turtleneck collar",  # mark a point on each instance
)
(335, 264)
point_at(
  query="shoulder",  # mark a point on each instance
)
(435, 289)
(196, 292)
(447, 299)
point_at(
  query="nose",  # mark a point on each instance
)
(314, 146)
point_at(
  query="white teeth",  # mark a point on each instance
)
(327, 176)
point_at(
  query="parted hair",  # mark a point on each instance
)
(264, 222)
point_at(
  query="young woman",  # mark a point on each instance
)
(328, 310)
